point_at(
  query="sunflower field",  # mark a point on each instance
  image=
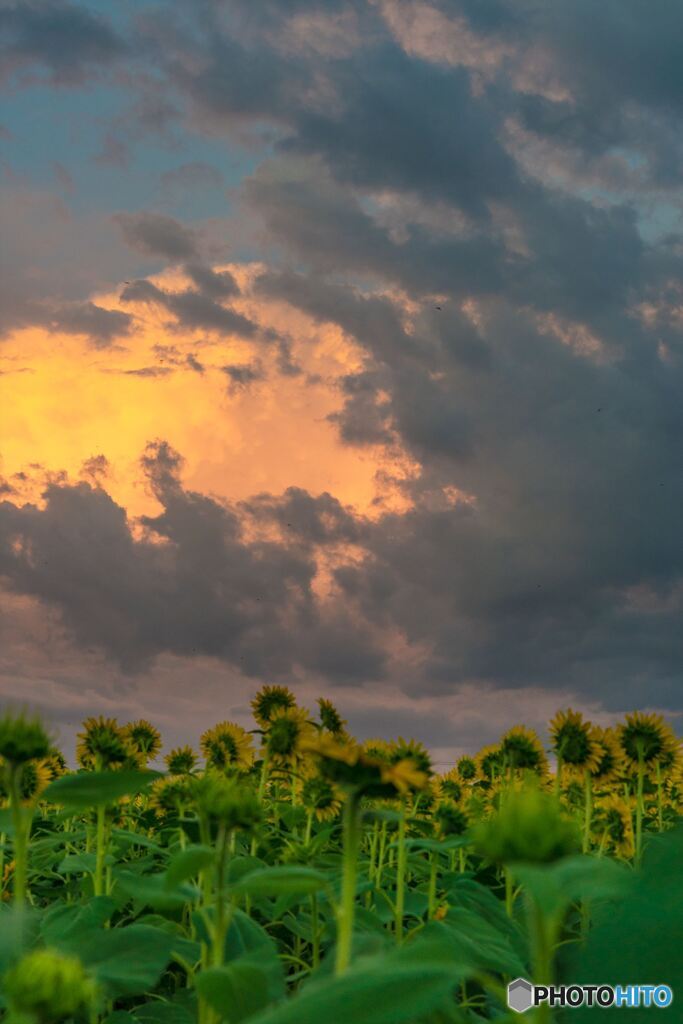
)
(291, 875)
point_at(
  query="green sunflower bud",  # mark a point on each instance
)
(22, 739)
(45, 987)
(529, 826)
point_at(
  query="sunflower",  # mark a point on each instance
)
(614, 825)
(226, 801)
(330, 719)
(270, 699)
(288, 731)
(611, 759)
(35, 777)
(490, 762)
(22, 739)
(646, 739)
(466, 768)
(411, 750)
(144, 738)
(102, 744)
(521, 749)
(56, 763)
(348, 765)
(181, 761)
(450, 819)
(227, 746)
(171, 796)
(449, 785)
(319, 796)
(574, 742)
(379, 749)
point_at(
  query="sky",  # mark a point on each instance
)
(342, 349)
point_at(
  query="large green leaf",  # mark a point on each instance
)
(188, 863)
(91, 789)
(555, 886)
(66, 921)
(126, 961)
(637, 938)
(236, 991)
(389, 989)
(278, 881)
(154, 890)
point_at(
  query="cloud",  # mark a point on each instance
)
(67, 41)
(157, 235)
(190, 584)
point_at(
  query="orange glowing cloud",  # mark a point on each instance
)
(64, 402)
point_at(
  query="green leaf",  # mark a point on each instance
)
(188, 863)
(65, 921)
(636, 939)
(390, 989)
(18, 931)
(555, 886)
(126, 961)
(154, 890)
(236, 991)
(160, 1012)
(276, 881)
(474, 944)
(78, 864)
(92, 789)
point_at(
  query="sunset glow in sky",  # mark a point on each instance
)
(341, 347)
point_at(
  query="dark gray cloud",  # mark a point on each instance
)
(192, 309)
(157, 235)
(67, 41)
(192, 585)
(100, 325)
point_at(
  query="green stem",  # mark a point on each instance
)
(509, 892)
(400, 874)
(315, 931)
(309, 826)
(20, 836)
(660, 807)
(100, 850)
(639, 811)
(432, 884)
(588, 817)
(346, 908)
(221, 920)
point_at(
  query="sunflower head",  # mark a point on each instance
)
(450, 786)
(46, 986)
(143, 738)
(411, 750)
(611, 761)
(171, 796)
(646, 738)
(226, 802)
(270, 699)
(35, 777)
(466, 768)
(227, 747)
(574, 741)
(181, 761)
(378, 749)
(56, 763)
(321, 797)
(288, 732)
(613, 825)
(522, 750)
(450, 819)
(102, 744)
(330, 719)
(22, 738)
(528, 826)
(349, 766)
(490, 762)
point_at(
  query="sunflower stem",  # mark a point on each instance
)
(346, 908)
(588, 817)
(400, 873)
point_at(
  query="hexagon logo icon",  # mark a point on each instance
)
(520, 995)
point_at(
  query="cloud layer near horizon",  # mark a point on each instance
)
(343, 348)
